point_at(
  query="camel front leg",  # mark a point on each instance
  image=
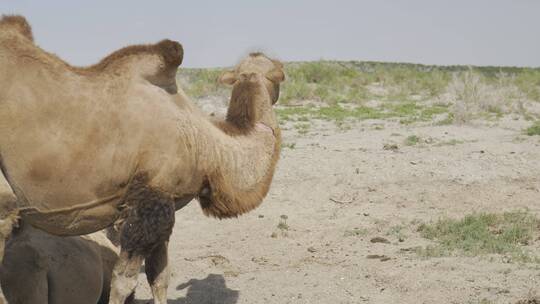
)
(144, 235)
(124, 277)
(158, 273)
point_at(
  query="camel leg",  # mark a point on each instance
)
(144, 234)
(124, 277)
(8, 219)
(157, 272)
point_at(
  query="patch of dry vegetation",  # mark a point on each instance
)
(534, 129)
(480, 234)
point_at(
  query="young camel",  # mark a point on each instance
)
(47, 269)
(83, 148)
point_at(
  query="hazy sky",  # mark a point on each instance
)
(218, 33)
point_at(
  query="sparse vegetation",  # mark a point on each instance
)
(282, 225)
(289, 145)
(480, 234)
(355, 232)
(412, 140)
(398, 232)
(409, 112)
(534, 129)
(202, 82)
(302, 128)
(408, 92)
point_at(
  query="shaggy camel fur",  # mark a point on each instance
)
(57, 270)
(83, 148)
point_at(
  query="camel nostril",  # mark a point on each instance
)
(243, 76)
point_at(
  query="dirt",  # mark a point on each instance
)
(340, 191)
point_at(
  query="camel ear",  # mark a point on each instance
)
(229, 77)
(276, 75)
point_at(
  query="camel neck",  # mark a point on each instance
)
(242, 162)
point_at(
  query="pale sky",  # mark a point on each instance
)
(219, 33)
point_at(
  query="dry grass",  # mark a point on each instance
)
(473, 95)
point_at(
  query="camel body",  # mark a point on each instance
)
(83, 141)
(71, 141)
(58, 269)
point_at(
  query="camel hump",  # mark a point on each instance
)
(18, 23)
(171, 54)
(171, 51)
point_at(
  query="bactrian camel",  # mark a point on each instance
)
(47, 269)
(83, 148)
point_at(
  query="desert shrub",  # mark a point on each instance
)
(472, 94)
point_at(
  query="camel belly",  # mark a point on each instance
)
(76, 220)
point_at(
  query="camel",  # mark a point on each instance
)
(57, 270)
(118, 142)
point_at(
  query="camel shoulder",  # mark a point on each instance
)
(140, 60)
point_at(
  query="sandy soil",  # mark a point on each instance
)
(335, 181)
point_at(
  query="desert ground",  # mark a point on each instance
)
(346, 217)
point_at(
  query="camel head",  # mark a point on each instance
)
(257, 68)
(255, 88)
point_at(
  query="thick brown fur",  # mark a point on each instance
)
(149, 219)
(18, 23)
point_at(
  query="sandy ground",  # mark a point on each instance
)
(335, 181)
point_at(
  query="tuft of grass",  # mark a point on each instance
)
(289, 145)
(397, 231)
(356, 232)
(282, 225)
(480, 234)
(534, 129)
(302, 128)
(412, 140)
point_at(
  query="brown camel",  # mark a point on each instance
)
(83, 148)
(47, 269)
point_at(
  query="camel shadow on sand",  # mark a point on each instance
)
(210, 290)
